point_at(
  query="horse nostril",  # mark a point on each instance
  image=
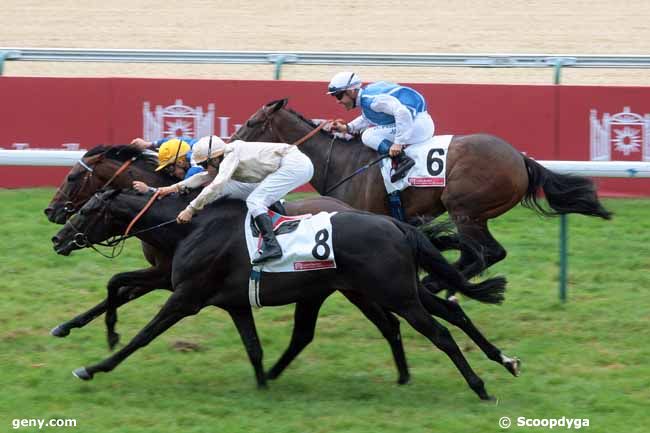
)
(48, 211)
(55, 239)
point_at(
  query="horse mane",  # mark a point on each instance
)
(313, 124)
(123, 153)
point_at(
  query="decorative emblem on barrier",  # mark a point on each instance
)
(623, 136)
(177, 120)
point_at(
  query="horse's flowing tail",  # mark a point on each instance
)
(434, 263)
(565, 193)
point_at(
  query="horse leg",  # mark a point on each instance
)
(426, 325)
(454, 314)
(178, 306)
(388, 325)
(492, 251)
(150, 277)
(304, 325)
(245, 324)
(125, 295)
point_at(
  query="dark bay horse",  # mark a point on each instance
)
(485, 175)
(211, 266)
(98, 167)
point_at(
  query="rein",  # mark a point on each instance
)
(120, 171)
(90, 172)
(142, 212)
(81, 239)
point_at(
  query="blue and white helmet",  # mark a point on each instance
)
(344, 81)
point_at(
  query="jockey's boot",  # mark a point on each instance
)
(404, 164)
(270, 246)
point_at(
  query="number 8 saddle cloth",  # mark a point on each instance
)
(306, 242)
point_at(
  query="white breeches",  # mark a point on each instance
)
(295, 170)
(422, 130)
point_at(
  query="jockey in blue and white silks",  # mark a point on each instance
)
(392, 116)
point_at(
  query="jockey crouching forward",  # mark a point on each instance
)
(392, 117)
(278, 167)
(174, 156)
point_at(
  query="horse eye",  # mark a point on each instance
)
(72, 178)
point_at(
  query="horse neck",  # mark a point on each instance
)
(165, 238)
(345, 158)
(106, 169)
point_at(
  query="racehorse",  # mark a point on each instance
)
(211, 266)
(485, 178)
(98, 167)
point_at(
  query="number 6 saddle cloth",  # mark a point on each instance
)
(306, 242)
(430, 158)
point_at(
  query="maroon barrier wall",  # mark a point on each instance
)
(545, 122)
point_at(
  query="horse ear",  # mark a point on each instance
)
(108, 194)
(278, 104)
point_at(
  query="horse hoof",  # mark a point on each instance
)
(59, 331)
(403, 380)
(82, 373)
(513, 366)
(489, 399)
(113, 339)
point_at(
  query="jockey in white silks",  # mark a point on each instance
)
(261, 173)
(392, 117)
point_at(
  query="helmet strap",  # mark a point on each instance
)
(178, 150)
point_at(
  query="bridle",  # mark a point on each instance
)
(80, 238)
(68, 206)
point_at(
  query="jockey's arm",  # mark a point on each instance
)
(403, 119)
(357, 125)
(213, 191)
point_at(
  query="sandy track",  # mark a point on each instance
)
(462, 26)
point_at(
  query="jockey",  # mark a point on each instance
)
(174, 156)
(278, 167)
(392, 116)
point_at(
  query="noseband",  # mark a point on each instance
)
(68, 206)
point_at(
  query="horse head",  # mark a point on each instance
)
(273, 122)
(95, 222)
(97, 169)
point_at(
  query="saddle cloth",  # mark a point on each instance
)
(430, 167)
(306, 242)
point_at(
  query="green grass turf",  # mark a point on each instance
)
(587, 358)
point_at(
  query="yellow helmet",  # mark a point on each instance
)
(170, 151)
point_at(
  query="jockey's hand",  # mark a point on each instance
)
(339, 125)
(141, 187)
(395, 150)
(140, 144)
(185, 216)
(166, 190)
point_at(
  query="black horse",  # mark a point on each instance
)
(118, 166)
(211, 267)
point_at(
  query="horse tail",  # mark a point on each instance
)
(564, 193)
(434, 263)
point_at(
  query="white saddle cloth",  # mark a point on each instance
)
(430, 167)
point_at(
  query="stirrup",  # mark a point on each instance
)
(265, 255)
(404, 165)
